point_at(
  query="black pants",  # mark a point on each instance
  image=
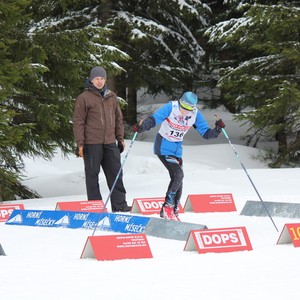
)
(174, 166)
(108, 157)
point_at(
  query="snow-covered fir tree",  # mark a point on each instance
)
(262, 54)
(47, 50)
(162, 39)
(14, 67)
(48, 47)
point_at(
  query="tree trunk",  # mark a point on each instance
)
(120, 85)
(106, 8)
(131, 110)
(112, 83)
(282, 141)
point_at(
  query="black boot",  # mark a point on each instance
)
(122, 209)
(176, 211)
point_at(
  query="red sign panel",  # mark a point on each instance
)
(218, 240)
(148, 206)
(114, 247)
(210, 203)
(6, 210)
(290, 234)
(86, 206)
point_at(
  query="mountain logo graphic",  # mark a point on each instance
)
(104, 223)
(64, 221)
(16, 219)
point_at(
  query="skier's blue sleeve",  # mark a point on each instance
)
(162, 113)
(158, 117)
(203, 128)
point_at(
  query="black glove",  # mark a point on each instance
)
(137, 128)
(121, 147)
(219, 125)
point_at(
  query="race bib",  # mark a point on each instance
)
(177, 125)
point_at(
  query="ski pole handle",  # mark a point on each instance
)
(223, 130)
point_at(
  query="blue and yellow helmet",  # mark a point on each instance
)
(188, 101)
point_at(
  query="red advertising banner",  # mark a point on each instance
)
(149, 206)
(6, 210)
(86, 206)
(210, 203)
(115, 247)
(218, 240)
(290, 234)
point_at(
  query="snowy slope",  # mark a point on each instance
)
(44, 263)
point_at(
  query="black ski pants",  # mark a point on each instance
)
(106, 156)
(174, 166)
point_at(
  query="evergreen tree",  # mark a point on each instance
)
(267, 77)
(161, 38)
(12, 70)
(219, 56)
(48, 49)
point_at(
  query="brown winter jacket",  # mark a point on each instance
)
(97, 120)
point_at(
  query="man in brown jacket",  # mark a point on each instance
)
(97, 126)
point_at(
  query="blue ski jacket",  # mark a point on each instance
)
(174, 126)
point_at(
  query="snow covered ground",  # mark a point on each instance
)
(44, 263)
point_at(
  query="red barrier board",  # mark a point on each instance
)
(148, 206)
(218, 240)
(290, 234)
(86, 206)
(6, 210)
(210, 203)
(115, 247)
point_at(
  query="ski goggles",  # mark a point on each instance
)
(186, 106)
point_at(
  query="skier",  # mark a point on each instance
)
(176, 118)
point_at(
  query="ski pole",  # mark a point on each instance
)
(238, 157)
(116, 179)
